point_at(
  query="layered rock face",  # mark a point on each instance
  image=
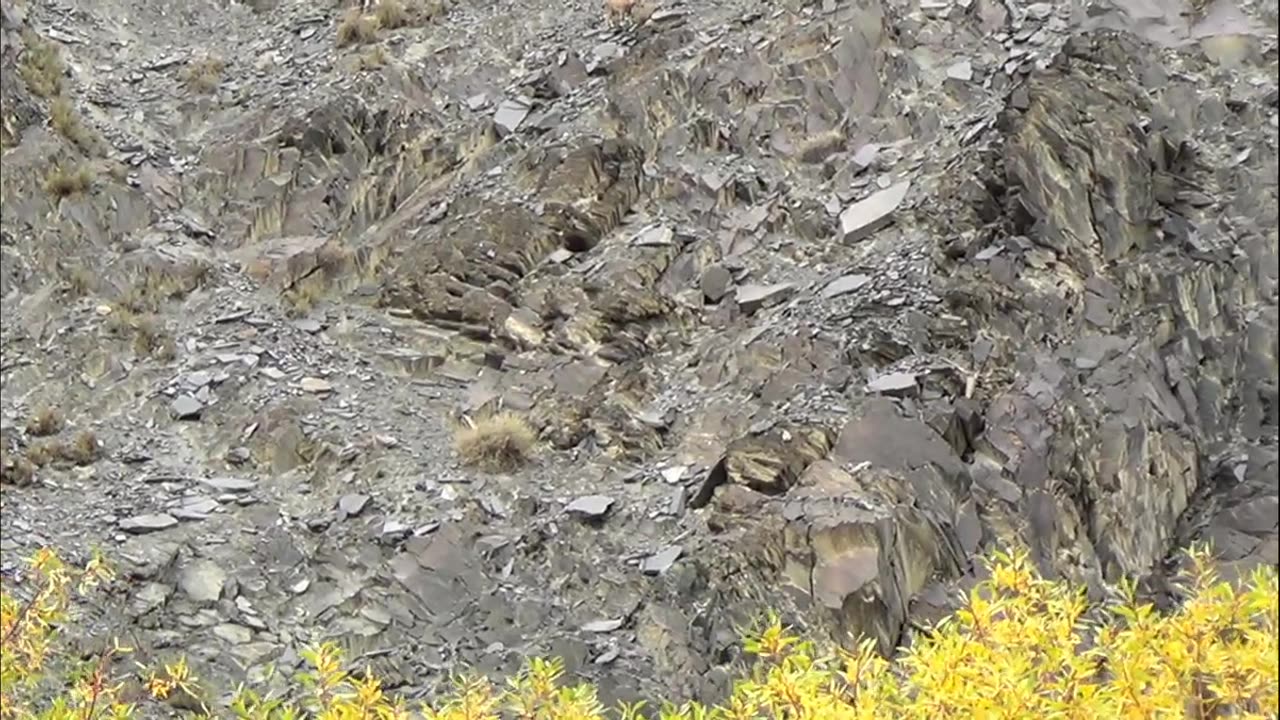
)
(808, 306)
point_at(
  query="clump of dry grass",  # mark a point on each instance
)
(146, 332)
(83, 448)
(41, 66)
(152, 287)
(63, 117)
(64, 182)
(373, 58)
(303, 296)
(15, 469)
(355, 28)
(500, 442)
(79, 280)
(391, 14)
(41, 454)
(46, 421)
(204, 75)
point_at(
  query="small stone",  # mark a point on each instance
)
(896, 384)
(315, 385)
(715, 282)
(962, 71)
(865, 217)
(352, 504)
(754, 297)
(590, 506)
(197, 508)
(395, 530)
(272, 373)
(198, 379)
(229, 484)
(308, 325)
(202, 580)
(866, 155)
(232, 633)
(142, 524)
(845, 285)
(186, 407)
(655, 236)
(661, 561)
(510, 114)
(674, 473)
(602, 626)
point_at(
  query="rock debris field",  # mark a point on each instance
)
(803, 306)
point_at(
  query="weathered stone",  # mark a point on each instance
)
(755, 297)
(865, 217)
(202, 580)
(186, 407)
(229, 484)
(352, 504)
(316, 386)
(845, 285)
(898, 384)
(590, 506)
(142, 524)
(661, 561)
(715, 282)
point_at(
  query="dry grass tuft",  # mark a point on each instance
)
(45, 422)
(152, 287)
(500, 442)
(204, 75)
(146, 332)
(79, 279)
(391, 14)
(355, 28)
(373, 58)
(63, 182)
(63, 117)
(149, 335)
(42, 454)
(15, 469)
(305, 294)
(41, 67)
(83, 448)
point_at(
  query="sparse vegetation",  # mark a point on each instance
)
(499, 442)
(64, 182)
(1021, 647)
(204, 75)
(42, 66)
(44, 422)
(373, 58)
(303, 296)
(152, 287)
(79, 280)
(15, 469)
(146, 332)
(355, 28)
(83, 448)
(63, 117)
(42, 454)
(391, 14)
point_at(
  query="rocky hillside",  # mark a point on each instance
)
(807, 303)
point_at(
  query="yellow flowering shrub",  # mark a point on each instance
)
(1021, 647)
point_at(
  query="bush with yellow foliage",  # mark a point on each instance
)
(1021, 647)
